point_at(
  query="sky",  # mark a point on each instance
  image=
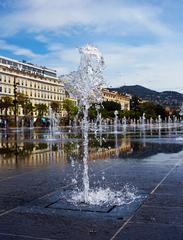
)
(141, 40)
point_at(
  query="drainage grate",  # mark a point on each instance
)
(64, 204)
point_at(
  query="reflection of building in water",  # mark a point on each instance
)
(21, 157)
(36, 154)
(103, 153)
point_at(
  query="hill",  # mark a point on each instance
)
(167, 98)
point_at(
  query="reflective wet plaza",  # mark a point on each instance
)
(36, 165)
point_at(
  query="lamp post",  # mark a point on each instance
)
(15, 84)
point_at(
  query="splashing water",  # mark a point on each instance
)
(86, 86)
(105, 197)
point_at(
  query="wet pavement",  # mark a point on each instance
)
(37, 167)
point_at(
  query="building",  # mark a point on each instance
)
(39, 83)
(123, 100)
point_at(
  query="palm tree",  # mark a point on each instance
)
(56, 106)
(70, 108)
(28, 108)
(6, 103)
(1, 106)
(41, 108)
(24, 101)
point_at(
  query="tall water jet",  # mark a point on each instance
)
(181, 111)
(86, 85)
(116, 121)
(143, 119)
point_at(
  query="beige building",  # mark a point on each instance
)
(40, 84)
(114, 96)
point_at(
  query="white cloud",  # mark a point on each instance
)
(117, 17)
(156, 66)
(19, 51)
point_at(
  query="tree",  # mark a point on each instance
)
(41, 108)
(149, 109)
(56, 106)
(25, 103)
(6, 103)
(111, 106)
(92, 112)
(1, 105)
(70, 108)
(135, 106)
(22, 99)
(28, 108)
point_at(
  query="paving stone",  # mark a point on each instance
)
(58, 227)
(172, 215)
(141, 231)
(164, 200)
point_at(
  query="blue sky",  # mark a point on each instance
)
(141, 40)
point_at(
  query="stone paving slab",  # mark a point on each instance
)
(144, 231)
(159, 215)
(164, 200)
(159, 218)
(15, 237)
(55, 226)
(171, 189)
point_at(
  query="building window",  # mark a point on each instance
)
(9, 90)
(5, 89)
(30, 84)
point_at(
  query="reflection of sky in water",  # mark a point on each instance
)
(41, 148)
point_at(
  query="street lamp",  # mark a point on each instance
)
(15, 84)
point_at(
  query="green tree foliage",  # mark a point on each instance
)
(56, 106)
(135, 107)
(29, 108)
(6, 103)
(70, 108)
(41, 108)
(111, 106)
(92, 113)
(24, 101)
(153, 110)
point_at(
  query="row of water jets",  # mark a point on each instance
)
(86, 85)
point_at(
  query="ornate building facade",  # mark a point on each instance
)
(123, 100)
(40, 84)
